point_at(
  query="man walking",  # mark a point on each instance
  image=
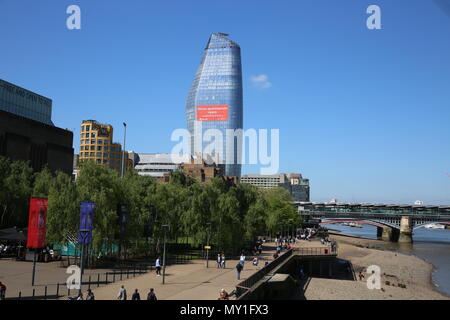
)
(90, 295)
(222, 261)
(151, 295)
(122, 294)
(242, 260)
(136, 295)
(239, 268)
(158, 267)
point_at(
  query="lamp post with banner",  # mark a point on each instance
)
(85, 232)
(37, 228)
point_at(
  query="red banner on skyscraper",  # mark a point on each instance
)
(37, 223)
(212, 113)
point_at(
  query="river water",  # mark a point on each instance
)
(432, 245)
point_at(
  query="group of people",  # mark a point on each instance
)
(89, 296)
(221, 260)
(136, 295)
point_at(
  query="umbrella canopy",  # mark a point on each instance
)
(13, 234)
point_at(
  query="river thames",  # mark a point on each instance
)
(432, 245)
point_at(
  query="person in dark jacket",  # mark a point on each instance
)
(136, 295)
(239, 268)
(151, 295)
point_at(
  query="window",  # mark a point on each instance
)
(88, 128)
(87, 135)
(93, 135)
(99, 148)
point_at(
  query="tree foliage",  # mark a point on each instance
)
(231, 215)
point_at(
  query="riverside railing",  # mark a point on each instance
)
(246, 285)
(318, 251)
(58, 290)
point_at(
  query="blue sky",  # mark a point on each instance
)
(365, 114)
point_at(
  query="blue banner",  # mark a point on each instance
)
(86, 222)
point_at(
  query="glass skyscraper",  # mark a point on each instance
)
(215, 100)
(25, 103)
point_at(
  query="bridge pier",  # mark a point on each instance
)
(389, 234)
(406, 230)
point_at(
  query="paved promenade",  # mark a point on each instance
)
(183, 282)
(193, 281)
(186, 282)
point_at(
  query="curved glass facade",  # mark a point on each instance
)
(215, 100)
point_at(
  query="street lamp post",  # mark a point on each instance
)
(165, 226)
(123, 151)
(207, 249)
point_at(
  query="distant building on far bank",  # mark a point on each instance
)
(96, 144)
(160, 166)
(297, 186)
(27, 132)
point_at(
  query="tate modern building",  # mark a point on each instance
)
(215, 100)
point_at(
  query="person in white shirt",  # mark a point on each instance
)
(242, 260)
(158, 267)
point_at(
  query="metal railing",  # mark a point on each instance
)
(58, 290)
(317, 251)
(246, 285)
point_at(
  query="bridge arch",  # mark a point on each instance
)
(375, 223)
(422, 225)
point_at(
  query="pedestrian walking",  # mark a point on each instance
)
(151, 295)
(158, 267)
(122, 294)
(219, 261)
(136, 295)
(2, 291)
(239, 268)
(242, 260)
(255, 261)
(222, 261)
(80, 296)
(90, 295)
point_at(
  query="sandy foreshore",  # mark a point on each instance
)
(403, 277)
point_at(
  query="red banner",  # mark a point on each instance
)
(212, 113)
(37, 223)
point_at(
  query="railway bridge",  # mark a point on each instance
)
(393, 222)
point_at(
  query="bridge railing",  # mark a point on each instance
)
(246, 285)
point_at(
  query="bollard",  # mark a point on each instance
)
(34, 290)
(20, 295)
(98, 280)
(106, 280)
(68, 292)
(89, 285)
(57, 290)
(45, 293)
(121, 274)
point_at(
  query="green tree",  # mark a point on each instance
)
(16, 187)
